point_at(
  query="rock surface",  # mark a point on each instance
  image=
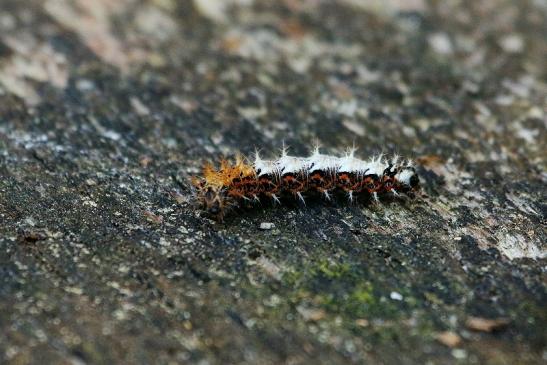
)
(107, 108)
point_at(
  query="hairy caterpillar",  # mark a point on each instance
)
(235, 183)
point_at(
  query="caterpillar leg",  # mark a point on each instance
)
(350, 196)
(276, 199)
(301, 198)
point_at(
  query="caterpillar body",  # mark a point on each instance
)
(235, 183)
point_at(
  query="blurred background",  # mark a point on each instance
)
(383, 73)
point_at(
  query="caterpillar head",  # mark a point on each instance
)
(215, 190)
(212, 199)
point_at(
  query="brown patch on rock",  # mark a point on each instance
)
(486, 325)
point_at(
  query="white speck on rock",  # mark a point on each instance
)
(164, 242)
(388, 7)
(115, 136)
(213, 9)
(347, 108)
(85, 85)
(139, 107)
(516, 246)
(90, 203)
(529, 135)
(355, 127)
(512, 43)
(459, 354)
(270, 268)
(440, 43)
(266, 226)
(30, 221)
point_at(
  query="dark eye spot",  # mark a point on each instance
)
(209, 194)
(215, 209)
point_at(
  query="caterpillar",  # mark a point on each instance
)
(242, 181)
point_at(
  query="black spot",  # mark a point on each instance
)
(414, 181)
(215, 208)
(209, 194)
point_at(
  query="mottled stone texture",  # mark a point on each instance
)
(107, 108)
